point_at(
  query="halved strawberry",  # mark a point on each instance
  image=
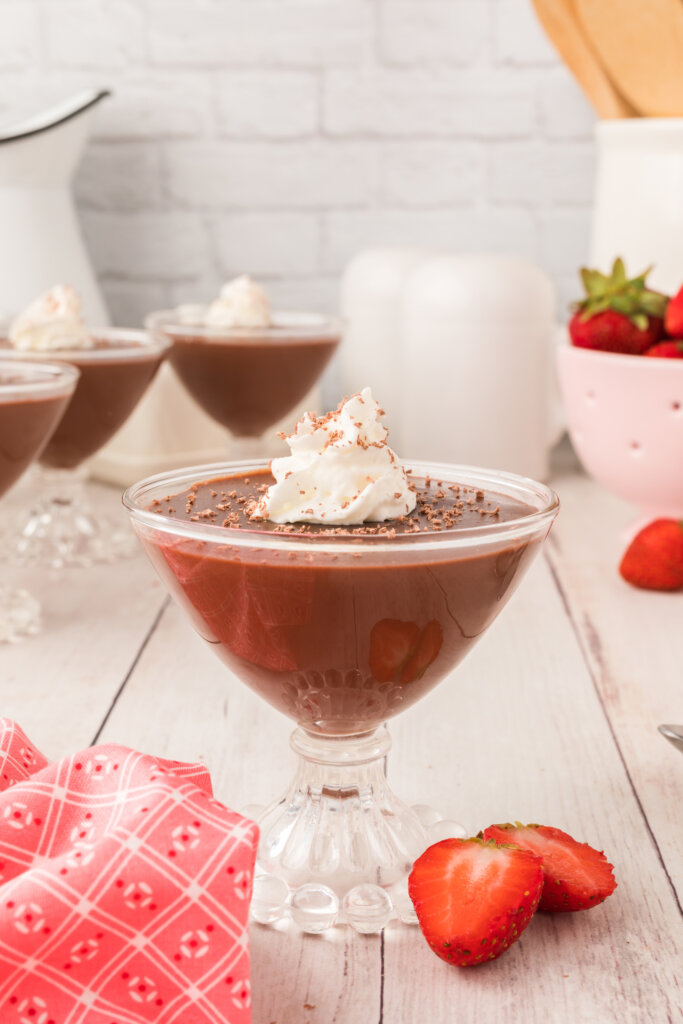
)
(426, 651)
(392, 641)
(576, 876)
(473, 899)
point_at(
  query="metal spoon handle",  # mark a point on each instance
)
(674, 734)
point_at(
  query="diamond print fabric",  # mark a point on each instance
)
(124, 890)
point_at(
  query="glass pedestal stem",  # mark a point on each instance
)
(339, 824)
(19, 615)
(61, 528)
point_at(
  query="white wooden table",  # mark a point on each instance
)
(553, 718)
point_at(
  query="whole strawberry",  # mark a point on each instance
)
(575, 876)
(654, 558)
(673, 321)
(670, 348)
(617, 314)
(473, 899)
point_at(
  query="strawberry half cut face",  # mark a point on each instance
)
(473, 898)
(575, 876)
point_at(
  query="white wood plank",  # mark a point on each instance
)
(633, 642)
(59, 684)
(518, 733)
(182, 702)
(312, 979)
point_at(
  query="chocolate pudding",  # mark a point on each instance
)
(341, 627)
(27, 417)
(114, 376)
(249, 378)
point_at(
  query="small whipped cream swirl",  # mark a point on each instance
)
(340, 472)
(241, 303)
(52, 323)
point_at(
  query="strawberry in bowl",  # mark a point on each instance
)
(617, 314)
(670, 348)
(673, 320)
(621, 380)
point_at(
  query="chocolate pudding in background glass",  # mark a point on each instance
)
(33, 397)
(341, 586)
(116, 367)
(245, 366)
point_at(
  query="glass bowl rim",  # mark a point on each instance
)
(311, 326)
(59, 378)
(181, 479)
(145, 344)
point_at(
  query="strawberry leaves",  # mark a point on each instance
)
(615, 291)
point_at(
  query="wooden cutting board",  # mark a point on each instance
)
(562, 27)
(640, 44)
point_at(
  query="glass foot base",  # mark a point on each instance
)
(62, 529)
(19, 615)
(338, 847)
(58, 536)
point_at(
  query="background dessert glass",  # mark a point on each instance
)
(249, 378)
(61, 528)
(33, 397)
(309, 621)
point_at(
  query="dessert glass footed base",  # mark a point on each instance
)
(62, 528)
(19, 615)
(338, 847)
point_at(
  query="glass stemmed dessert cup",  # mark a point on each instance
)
(33, 397)
(340, 633)
(61, 527)
(249, 378)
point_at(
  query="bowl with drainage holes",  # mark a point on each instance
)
(625, 419)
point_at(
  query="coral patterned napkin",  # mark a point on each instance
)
(124, 890)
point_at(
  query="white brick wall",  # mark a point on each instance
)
(266, 104)
(318, 173)
(430, 101)
(279, 136)
(431, 31)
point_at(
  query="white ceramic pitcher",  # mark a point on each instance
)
(41, 238)
(638, 208)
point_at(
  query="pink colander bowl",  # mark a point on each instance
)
(625, 419)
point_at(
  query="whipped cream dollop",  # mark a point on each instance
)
(51, 323)
(241, 303)
(340, 470)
